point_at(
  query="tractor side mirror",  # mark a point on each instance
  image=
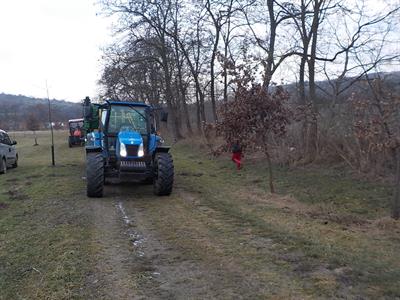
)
(13, 143)
(164, 116)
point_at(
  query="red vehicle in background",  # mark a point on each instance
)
(76, 133)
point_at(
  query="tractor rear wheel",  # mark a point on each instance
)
(164, 174)
(94, 174)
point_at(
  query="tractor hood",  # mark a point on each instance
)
(130, 138)
(129, 145)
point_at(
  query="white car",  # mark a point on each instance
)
(8, 153)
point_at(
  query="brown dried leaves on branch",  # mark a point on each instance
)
(254, 116)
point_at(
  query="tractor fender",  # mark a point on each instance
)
(163, 149)
(90, 149)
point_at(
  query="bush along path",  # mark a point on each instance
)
(219, 235)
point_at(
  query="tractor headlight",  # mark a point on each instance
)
(122, 150)
(140, 151)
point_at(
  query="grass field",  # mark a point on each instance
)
(219, 235)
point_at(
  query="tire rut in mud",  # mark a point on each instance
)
(114, 260)
(184, 272)
(161, 271)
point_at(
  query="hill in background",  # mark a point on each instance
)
(16, 111)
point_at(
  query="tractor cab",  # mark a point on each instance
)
(129, 131)
(122, 139)
(76, 132)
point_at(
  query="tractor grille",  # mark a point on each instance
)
(133, 164)
(132, 150)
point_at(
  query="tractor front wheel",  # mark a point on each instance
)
(164, 174)
(94, 174)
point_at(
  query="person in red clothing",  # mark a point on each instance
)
(77, 132)
(237, 155)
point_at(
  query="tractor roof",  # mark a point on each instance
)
(75, 120)
(141, 104)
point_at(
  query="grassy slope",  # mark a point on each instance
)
(329, 239)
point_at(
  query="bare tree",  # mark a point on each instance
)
(274, 24)
(190, 42)
(141, 18)
(32, 123)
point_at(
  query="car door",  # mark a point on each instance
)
(10, 150)
(2, 146)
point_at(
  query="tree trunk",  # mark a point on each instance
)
(396, 199)
(212, 73)
(198, 112)
(217, 25)
(302, 90)
(187, 117)
(225, 85)
(268, 72)
(271, 177)
(181, 87)
(36, 143)
(169, 97)
(312, 142)
(303, 101)
(195, 73)
(312, 139)
(183, 100)
(225, 69)
(226, 50)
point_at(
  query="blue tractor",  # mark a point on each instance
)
(122, 142)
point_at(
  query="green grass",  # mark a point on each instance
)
(335, 188)
(332, 243)
(331, 238)
(43, 250)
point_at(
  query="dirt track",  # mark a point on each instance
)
(137, 260)
(179, 248)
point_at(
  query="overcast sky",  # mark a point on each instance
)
(54, 40)
(59, 41)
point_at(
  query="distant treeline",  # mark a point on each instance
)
(18, 112)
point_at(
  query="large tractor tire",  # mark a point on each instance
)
(3, 166)
(94, 174)
(164, 174)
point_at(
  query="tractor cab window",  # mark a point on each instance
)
(127, 118)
